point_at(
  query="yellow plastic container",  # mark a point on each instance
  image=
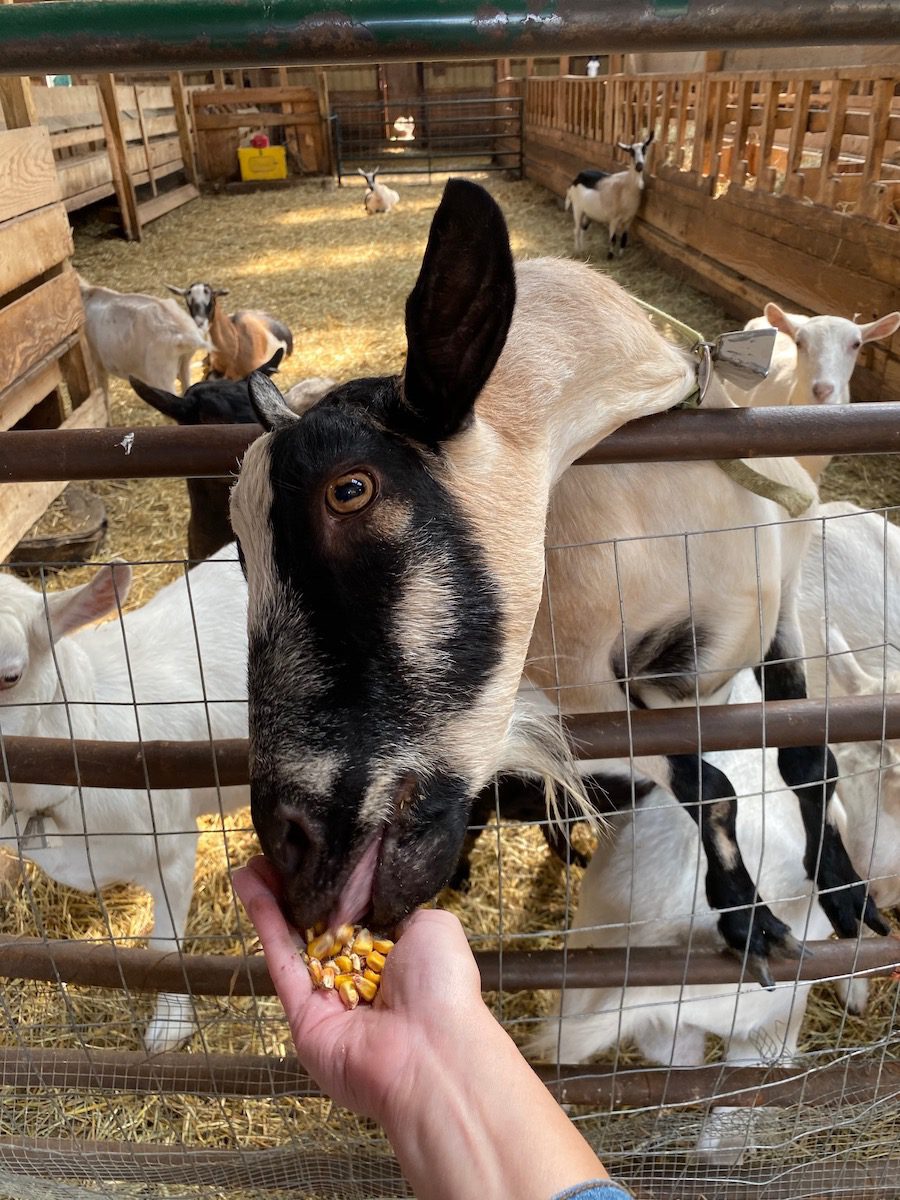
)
(269, 162)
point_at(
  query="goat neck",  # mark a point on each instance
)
(393, 539)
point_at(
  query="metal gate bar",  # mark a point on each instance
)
(145, 452)
(115, 35)
(224, 763)
(495, 135)
(102, 964)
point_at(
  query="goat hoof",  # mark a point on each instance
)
(760, 937)
(789, 947)
(850, 906)
(758, 969)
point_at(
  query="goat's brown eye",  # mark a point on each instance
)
(350, 493)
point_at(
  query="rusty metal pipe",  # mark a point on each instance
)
(117, 35)
(100, 964)
(164, 764)
(253, 1075)
(30, 455)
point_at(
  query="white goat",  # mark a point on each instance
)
(611, 200)
(174, 669)
(812, 362)
(379, 198)
(133, 334)
(241, 342)
(644, 887)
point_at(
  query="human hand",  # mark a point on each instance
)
(371, 1058)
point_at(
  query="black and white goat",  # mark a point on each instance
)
(217, 402)
(393, 538)
(611, 200)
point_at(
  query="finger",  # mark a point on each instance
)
(280, 941)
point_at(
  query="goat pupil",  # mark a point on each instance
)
(350, 490)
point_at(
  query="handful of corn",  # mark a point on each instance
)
(348, 961)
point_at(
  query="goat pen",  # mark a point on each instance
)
(841, 1106)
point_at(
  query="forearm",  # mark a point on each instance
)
(483, 1127)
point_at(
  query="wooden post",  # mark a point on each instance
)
(503, 69)
(793, 181)
(837, 115)
(151, 174)
(879, 118)
(738, 171)
(616, 64)
(16, 99)
(118, 157)
(701, 114)
(564, 64)
(713, 60)
(324, 115)
(765, 175)
(185, 140)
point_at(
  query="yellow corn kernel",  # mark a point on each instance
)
(375, 961)
(362, 943)
(356, 962)
(372, 976)
(383, 945)
(344, 977)
(328, 977)
(344, 964)
(316, 971)
(320, 947)
(335, 949)
(349, 994)
(366, 988)
(310, 935)
(344, 934)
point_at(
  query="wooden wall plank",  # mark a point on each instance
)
(27, 172)
(22, 397)
(35, 323)
(32, 244)
(115, 146)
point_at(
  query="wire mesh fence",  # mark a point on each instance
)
(688, 1077)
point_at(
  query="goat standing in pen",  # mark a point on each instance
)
(611, 200)
(133, 334)
(393, 538)
(173, 669)
(242, 342)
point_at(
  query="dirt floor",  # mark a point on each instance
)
(339, 280)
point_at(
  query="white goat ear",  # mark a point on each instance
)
(623, 146)
(882, 328)
(177, 290)
(360, 171)
(268, 403)
(779, 319)
(76, 607)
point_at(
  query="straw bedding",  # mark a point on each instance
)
(339, 280)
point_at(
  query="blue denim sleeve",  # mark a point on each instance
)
(594, 1189)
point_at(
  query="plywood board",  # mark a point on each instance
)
(32, 244)
(27, 172)
(32, 325)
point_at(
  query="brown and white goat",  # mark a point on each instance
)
(393, 538)
(243, 341)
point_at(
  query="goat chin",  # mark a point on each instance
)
(536, 745)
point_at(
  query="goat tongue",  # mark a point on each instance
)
(356, 898)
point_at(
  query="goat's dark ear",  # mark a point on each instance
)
(268, 403)
(458, 314)
(177, 290)
(649, 138)
(220, 291)
(179, 408)
(274, 362)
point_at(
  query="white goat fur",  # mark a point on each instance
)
(644, 887)
(133, 334)
(612, 201)
(379, 198)
(852, 573)
(80, 687)
(812, 362)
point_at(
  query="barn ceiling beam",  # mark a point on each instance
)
(152, 452)
(116, 35)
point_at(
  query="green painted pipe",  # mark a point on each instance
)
(106, 35)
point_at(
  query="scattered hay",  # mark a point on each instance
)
(339, 280)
